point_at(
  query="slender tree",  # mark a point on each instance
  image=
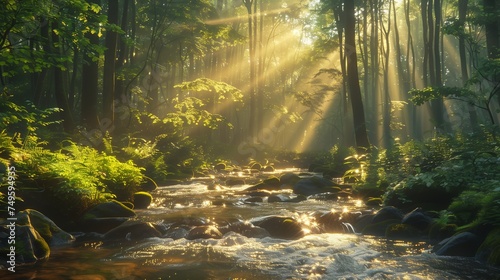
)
(251, 82)
(361, 135)
(108, 80)
(90, 78)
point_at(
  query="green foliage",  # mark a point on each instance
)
(23, 21)
(445, 167)
(220, 90)
(15, 118)
(75, 177)
(167, 156)
(420, 96)
(466, 206)
(332, 162)
(491, 246)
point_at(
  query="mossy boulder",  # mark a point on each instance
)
(49, 231)
(268, 168)
(142, 200)
(256, 166)
(109, 209)
(220, 166)
(373, 202)
(30, 245)
(289, 179)
(273, 182)
(281, 227)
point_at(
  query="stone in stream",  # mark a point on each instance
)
(30, 245)
(326, 196)
(314, 185)
(289, 179)
(176, 232)
(49, 231)
(272, 182)
(34, 235)
(132, 230)
(142, 200)
(277, 198)
(417, 219)
(330, 221)
(204, 232)
(464, 244)
(281, 227)
(246, 229)
(109, 209)
(387, 213)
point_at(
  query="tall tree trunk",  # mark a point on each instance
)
(425, 42)
(492, 8)
(251, 49)
(374, 75)
(40, 78)
(462, 15)
(411, 66)
(353, 78)
(437, 105)
(90, 71)
(122, 51)
(346, 132)
(108, 80)
(386, 105)
(260, 70)
(492, 28)
(59, 91)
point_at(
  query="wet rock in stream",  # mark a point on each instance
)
(132, 230)
(280, 227)
(204, 232)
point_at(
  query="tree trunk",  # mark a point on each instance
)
(353, 78)
(90, 71)
(108, 81)
(386, 105)
(462, 15)
(40, 78)
(122, 52)
(59, 92)
(251, 83)
(374, 75)
(492, 8)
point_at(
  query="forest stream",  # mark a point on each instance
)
(348, 255)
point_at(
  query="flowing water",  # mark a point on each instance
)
(315, 256)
